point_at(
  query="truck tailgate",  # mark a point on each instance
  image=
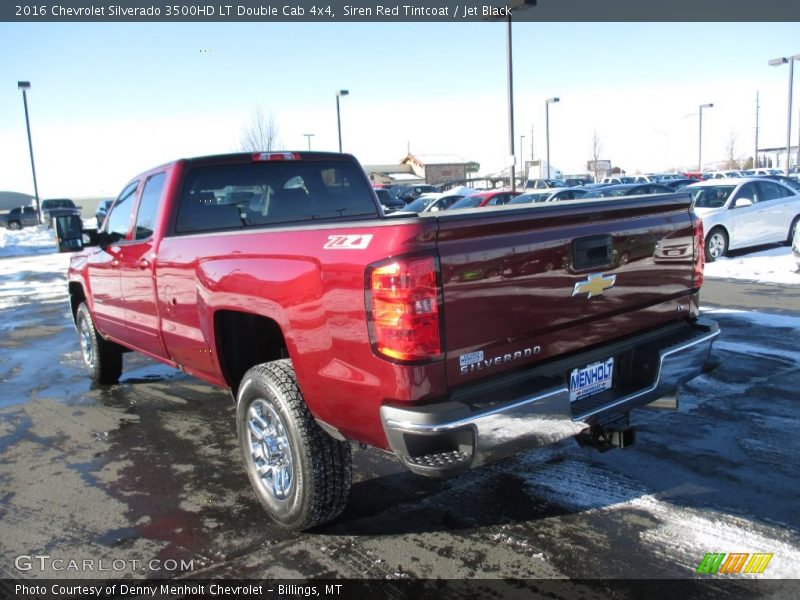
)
(524, 284)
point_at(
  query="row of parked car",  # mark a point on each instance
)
(25, 216)
(737, 212)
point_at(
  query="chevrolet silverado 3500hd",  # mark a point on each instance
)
(449, 339)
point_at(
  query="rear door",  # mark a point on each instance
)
(749, 222)
(778, 206)
(524, 283)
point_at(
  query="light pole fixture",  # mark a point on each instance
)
(776, 62)
(700, 137)
(310, 135)
(547, 104)
(338, 115)
(25, 86)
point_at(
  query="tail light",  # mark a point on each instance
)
(403, 306)
(270, 156)
(699, 253)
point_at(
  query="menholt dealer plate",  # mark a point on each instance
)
(591, 379)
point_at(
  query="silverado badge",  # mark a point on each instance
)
(594, 285)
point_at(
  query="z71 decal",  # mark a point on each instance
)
(348, 242)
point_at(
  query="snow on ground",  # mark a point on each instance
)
(31, 240)
(758, 318)
(775, 265)
(25, 253)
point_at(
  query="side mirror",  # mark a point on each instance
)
(435, 209)
(69, 233)
(742, 202)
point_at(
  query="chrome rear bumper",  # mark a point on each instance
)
(474, 428)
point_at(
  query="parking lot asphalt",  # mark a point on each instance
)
(147, 473)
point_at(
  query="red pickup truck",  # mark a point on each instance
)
(449, 339)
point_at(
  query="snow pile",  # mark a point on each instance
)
(31, 270)
(30, 240)
(776, 265)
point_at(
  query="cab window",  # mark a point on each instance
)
(119, 219)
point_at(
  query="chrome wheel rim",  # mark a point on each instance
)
(716, 245)
(86, 343)
(270, 450)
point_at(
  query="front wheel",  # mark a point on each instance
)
(716, 244)
(300, 474)
(792, 230)
(102, 359)
(14, 225)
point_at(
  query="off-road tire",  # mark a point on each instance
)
(320, 468)
(717, 243)
(102, 358)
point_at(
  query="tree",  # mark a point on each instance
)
(730, 152)
(260, 134)
(597, 149)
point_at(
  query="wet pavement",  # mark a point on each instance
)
(147, 473)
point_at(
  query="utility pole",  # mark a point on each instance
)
(756, 162)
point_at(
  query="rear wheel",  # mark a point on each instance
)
(14, 225)
(300, 474)
(102, 359)
(716, 244)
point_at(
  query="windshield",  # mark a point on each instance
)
(710, 196)
(418, 205)
(467, 203)
(607, 193)
(529, 198)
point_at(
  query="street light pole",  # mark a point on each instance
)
(310, 135)
(510, 71)
(700, 137)
(547, 104)
(25, 86)
(338, 115)
(775, 62)
(513, 5)
(521, 157)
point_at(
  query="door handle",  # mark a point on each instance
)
(144, 263)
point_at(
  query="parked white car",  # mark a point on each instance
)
(743, 212)
(796, 246)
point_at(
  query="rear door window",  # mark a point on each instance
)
(273, 193)
(769, 190)
(148, 206)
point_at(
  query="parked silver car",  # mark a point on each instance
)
(743, 212)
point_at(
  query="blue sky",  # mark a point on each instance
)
(109, 100)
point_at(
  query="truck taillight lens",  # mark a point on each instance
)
(270, 156)
(699, 254)
(403, 307)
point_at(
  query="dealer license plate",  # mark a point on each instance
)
(591, 379)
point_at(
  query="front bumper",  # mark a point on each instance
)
(531, 409)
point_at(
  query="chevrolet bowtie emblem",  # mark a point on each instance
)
(594, 285)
